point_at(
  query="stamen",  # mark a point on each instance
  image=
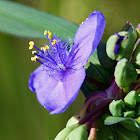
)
(45, 32)
(54, 42)
(31, 43)
(50, 35)
(33, 52)
(45, 48)
(34, 58)
(39, 61)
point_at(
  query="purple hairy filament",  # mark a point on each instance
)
(57, 56)
(96, 112)
(90, 102)
(97, 103)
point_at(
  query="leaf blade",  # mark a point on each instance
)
(31, 22)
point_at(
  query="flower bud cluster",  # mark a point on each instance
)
(124, 48)
(128, 107)
(73, 131)
(121, 98)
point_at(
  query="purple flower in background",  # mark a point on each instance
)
(58, 79)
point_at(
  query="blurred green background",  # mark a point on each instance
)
(22, 117)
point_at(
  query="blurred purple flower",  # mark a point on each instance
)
(58, 80)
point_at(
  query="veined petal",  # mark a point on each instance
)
(40, 82)
(64, 92)
(33, 76)
(56, 95)
(88, 36)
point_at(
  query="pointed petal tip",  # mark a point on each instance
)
(89, 34)
(30, 83)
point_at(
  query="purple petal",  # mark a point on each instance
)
(56, 95)
(89, 35)
(65, 92)
(33, 76)
(39, 81)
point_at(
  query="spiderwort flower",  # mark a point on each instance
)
(58, 79)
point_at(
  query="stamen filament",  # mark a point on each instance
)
(45, 32)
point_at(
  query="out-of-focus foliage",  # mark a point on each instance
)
(25, 21)
(22, 117)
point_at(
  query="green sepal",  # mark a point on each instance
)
(62, 135)
(105, 61)
(131, 99)
(129, 114)
(80, 133)
(125, 73)
(116, 108)
(73, 120)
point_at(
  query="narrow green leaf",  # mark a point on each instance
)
(124, 134)
(24, 21)
(104, 132)
(105, 61)
(110, 120)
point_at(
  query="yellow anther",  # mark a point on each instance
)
(49, 35)
(34, 58)
(54, 42)
(45, 32)
(45, 48)
(33, 52)
(31, 45)
(41, 48)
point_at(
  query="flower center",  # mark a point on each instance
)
(56, 55)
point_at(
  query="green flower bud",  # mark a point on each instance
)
(136, 55)
(111, 44)
(116, 107)
(125, 73)
(137, 61)
(131, 99)
(138, 29)
(121, 45)
(129, 114)
(62, 135)
(79, 133)
(137, 111)
(138, 120)
(72, 120)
